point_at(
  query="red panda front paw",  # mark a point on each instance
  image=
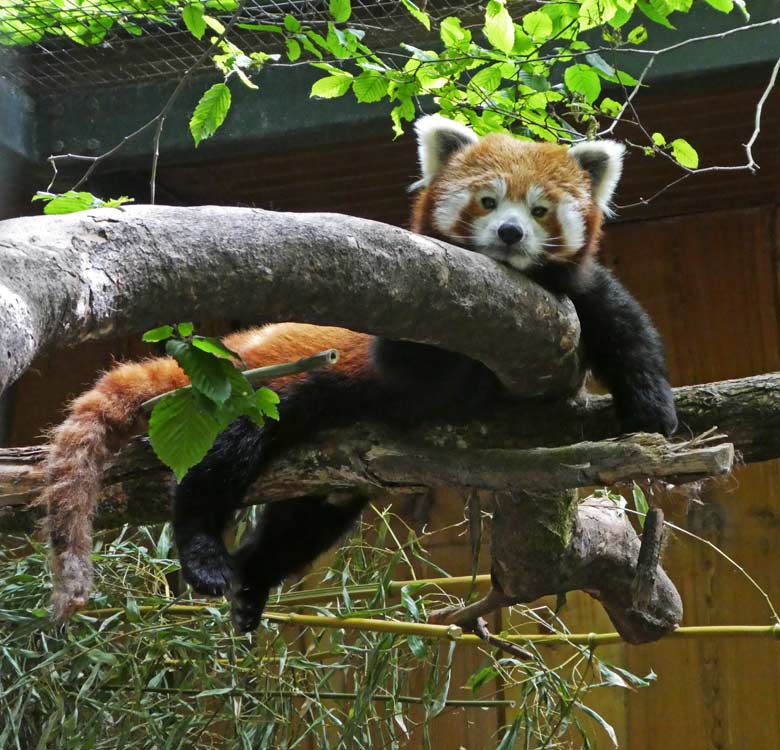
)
(648, 411)
(205, 565)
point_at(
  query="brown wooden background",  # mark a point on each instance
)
(704, 258)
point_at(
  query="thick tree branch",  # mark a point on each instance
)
(101, 273)
(500, 452)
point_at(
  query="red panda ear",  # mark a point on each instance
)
(437, 140)
(603, 161)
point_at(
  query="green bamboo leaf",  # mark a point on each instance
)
(210, 113)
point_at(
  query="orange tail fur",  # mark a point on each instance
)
(100, 422)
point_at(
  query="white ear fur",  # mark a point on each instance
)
(603, 161)
(437, 139)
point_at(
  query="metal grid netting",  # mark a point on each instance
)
(40, 52)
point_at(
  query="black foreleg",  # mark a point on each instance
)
(204, 504)
(289, 535)
(625, 352)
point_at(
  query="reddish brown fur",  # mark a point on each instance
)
(521, 164)
(104, 418)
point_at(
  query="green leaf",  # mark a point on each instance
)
(212, 345)
(488, 79)
(538, 25)
(205, 371)
(684, 154)
(452, 32)
(499, 28)
(333, 86)
(214, 24)
(417, 14)
(584, 80)
(478, 679)
(724, 6)
(266, 401)
(341, 10)
(158, 334)
(601, 721)
(210, 113)
(652, 14)
(291, 23)
(659, 139)
(640, 503)
(192, 15)
(510, 738)
(637, 35)
(181, 431)
(417, 646)
(214, 691)
(185, 329)
(596, 13)
(610, 107)
(67, 203)
(369, 87)
(293, 50)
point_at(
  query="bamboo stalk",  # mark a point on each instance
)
(452, 632)
(450, 584)
(261, 375)
(322, 695)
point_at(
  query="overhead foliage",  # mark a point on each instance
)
(551, 73)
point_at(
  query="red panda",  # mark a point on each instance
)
(535, 207)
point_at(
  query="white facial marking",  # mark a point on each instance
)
(448, 211)
(572, 224)
(522, 254)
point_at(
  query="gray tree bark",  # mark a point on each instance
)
(97, 274)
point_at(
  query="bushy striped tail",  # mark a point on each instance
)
(100, 422)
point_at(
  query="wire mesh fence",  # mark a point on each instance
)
(50, 46)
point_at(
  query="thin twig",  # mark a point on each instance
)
(159, 118)
(262, 375)
(481, 631)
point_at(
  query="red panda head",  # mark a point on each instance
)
(524, 204)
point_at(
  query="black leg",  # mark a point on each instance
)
(289, 535)
(625, 352)
(204, 504)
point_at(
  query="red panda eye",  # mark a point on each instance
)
(488, 203)
(539, 211)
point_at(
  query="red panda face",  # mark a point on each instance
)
(524, 204)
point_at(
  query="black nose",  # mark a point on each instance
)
(510, 233)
